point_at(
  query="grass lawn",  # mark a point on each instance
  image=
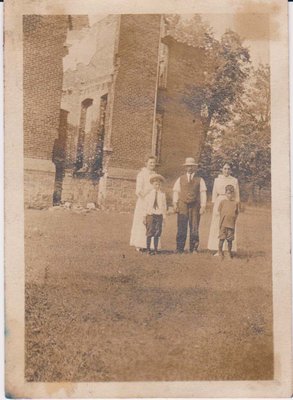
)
(97, 310)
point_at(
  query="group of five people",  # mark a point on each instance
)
(189, 202)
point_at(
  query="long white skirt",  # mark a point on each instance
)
(213, 242)
(138, 230)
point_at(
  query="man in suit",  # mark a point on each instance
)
(189, 200)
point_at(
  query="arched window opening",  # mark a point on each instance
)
(81, 134)
(98, 164)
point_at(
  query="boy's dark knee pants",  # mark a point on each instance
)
(154, 225)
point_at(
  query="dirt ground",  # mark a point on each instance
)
(97, 310)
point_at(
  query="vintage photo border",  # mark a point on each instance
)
(16, 386)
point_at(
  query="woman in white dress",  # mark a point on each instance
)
(143, 187)
(218, 195)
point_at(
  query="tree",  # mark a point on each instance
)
(192, 31)
(233, 101)
(226, 65)
(245, 140)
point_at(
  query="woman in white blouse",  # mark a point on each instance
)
(220, 183)
(143, 187)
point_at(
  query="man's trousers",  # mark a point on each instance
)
(188, 215)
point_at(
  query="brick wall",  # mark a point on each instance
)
(43, 48)
(135, 90)
(80, 191)
(120, 194)
(87, 75)
(39, 176)
(36, 194)
(72, 103)
(182, 129)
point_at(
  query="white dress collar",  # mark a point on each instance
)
(221, 176)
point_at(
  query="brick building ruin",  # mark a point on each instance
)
(98, 99)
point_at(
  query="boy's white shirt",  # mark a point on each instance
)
(149, 203)
(203, 190)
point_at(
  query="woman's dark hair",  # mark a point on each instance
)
(226, 163)
(150, 158)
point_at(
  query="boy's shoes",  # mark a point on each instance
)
(140, 249)
(150, 253)
(217, 254)
(230, 255)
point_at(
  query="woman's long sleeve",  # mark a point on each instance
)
(215, 193)
(237, 194)
(176, 190)
(139, 185)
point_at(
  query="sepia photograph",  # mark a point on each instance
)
(148, 208)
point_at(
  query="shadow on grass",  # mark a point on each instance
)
(245, 254)
(166, 252)
(241, 254)
(174, 252)
(160, 252)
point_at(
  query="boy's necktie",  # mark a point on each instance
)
(156, 201)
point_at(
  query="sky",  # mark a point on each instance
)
(254, 28)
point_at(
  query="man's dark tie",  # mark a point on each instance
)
(189, 177)
(156, 201)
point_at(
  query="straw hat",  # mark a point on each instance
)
(189, 161)
(155, 177)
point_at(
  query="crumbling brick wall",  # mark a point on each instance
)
(182, 132)
(44, 41)
(87, 78)
(135, 90)
(43, 49)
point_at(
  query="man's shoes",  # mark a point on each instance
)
(195, 251)
(177, 251)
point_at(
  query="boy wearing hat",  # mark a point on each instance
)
(189, 200)
(154, 213)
